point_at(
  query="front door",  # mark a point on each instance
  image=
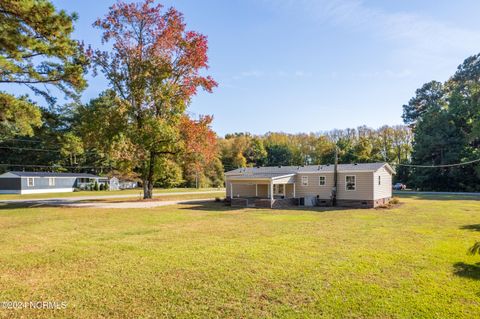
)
(279, 190)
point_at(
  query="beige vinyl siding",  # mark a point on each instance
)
(314, 188)
(385, 189)
(289, 190)
(240, 190)
(363, 186)
(246, 188)
(365, 183)
(262, 190)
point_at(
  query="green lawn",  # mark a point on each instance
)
(213, 261)
(165, 197)
(136, 191)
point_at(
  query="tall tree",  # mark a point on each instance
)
(200, 147)
(36, 50)
(445, 118)
(256, 154)
(279, 154)
(154, 67)
(429, 96)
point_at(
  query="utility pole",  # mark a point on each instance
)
(335, 179)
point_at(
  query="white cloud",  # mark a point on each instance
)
(415, 38)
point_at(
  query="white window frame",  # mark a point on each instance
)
(320, 180)
(379, 180)
(304, 180)
(354, 184)
(51, 181)
(30, 182)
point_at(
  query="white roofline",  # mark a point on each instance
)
(283, 176)
(247, 177)
(390, 168)
(243, 173)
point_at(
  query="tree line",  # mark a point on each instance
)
(139, 128)
(391, 144)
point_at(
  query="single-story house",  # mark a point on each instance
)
(46, 182)
(358, 185)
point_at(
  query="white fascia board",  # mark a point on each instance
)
(249, 179)
(283, 176)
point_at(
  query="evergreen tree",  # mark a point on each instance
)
(36, 50)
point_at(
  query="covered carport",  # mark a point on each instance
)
(260, 189)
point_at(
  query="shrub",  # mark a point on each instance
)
(394, 201)
(95, 186)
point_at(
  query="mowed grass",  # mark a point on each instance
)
(136, 191)
(208, 260)
(164, 197)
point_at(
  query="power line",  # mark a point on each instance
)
(39, 149)
(439, 166)
(21, 140)
(55, 166)
(29, 149)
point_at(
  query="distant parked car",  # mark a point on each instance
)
(399, 187)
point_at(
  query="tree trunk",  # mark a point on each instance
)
(148, 182)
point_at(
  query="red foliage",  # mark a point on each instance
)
(159, 40)
(200, 141)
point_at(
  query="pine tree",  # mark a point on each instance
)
(36, 51)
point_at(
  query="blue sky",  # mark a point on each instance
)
(314, 65)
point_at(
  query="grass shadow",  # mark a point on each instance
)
(472, 227)
(464, 270)
(210, 206)
(443, 197)
(8, 206)
(213, 206)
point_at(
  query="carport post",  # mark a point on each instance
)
(256, 190)
(294, 191)
(271, 190)
(231, 190)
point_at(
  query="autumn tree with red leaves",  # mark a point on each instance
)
(200, 145)
(154, 68)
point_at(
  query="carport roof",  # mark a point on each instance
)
(260, 176)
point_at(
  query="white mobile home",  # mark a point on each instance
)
(45, 182)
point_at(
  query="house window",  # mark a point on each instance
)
(322, 181)
(304, 180)
(379, 180)
(30, 182)
(51, 181)
(278, 189)
(350, 183)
